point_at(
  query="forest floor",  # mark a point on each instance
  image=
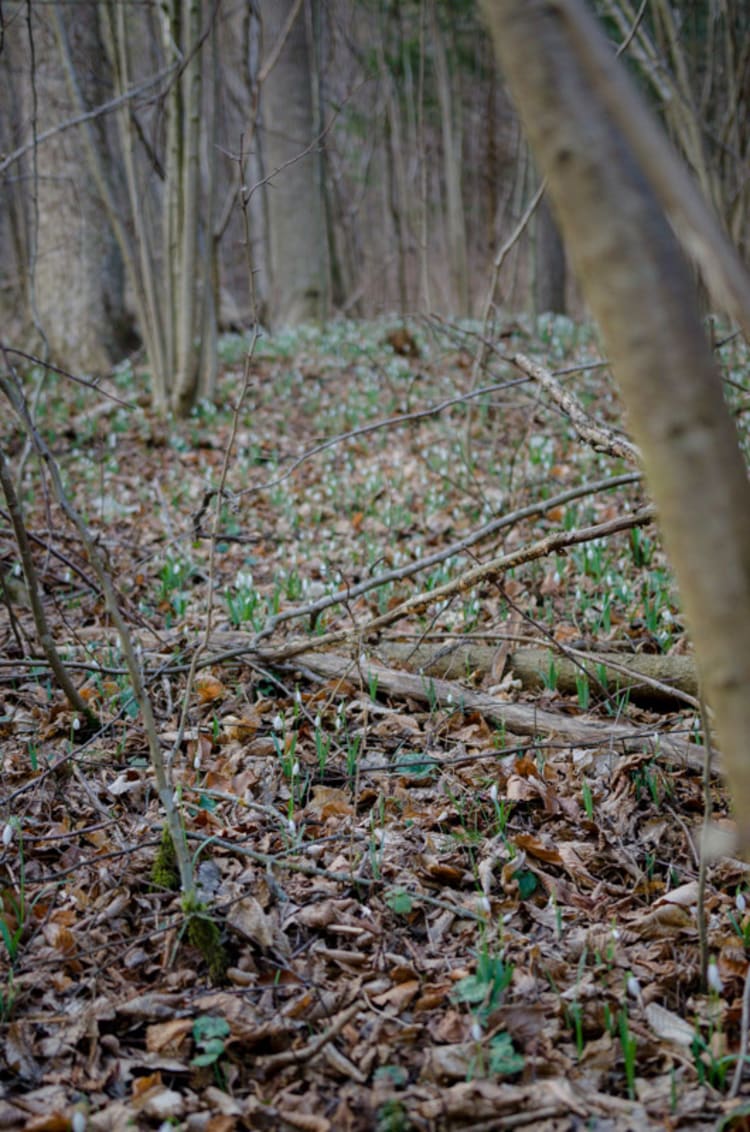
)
(449, 898)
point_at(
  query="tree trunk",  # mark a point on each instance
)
(452, 166)
(639, 288)
(549, 263)
(299, 266)
(76, 281)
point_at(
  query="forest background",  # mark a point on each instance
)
(282, 297)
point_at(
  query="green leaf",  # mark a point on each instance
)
(399, 902)
(208, 1026)
(471, 989)
(504, 1059)
(527, 883)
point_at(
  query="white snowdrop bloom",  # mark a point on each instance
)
(291, 826)
(476, 1032)
(634, 987)
(484, 904)
(7, 834)
(493, 793)
(278, 723)
(295, 769)
(78, 1123)
(740, 902)
(615, 934)
(714, 978)
(75, 723)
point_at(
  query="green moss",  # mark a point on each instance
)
(164, 871)
(204, 934)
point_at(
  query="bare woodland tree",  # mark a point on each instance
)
(610, 204)
(169, 208)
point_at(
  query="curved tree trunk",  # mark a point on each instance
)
(639, 288)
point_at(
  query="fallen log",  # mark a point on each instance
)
(651, 680)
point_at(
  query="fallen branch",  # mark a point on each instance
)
(601, 439)
(312, 1048)
(521, 719)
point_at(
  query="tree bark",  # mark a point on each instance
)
(76, 281)
(639, 288)
(299, 266)
(549, 263)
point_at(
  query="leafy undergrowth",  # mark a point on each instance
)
(429, 920)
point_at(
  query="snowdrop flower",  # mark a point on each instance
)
(714, 978)
(740, 902)
(476, 1032)
(493, 793)
(75, 723)
(7, 834)
(634, 987)
(278, 723)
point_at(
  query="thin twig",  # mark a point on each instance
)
(312, 1048)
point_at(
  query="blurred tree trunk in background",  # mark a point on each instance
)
(299, 260)
(549, 263)
(74, 276)
(451, 125)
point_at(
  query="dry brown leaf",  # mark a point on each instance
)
(168, 1037)
(670, 1026)
(399, 995)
